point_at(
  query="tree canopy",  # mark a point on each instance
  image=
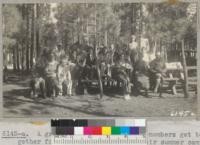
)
(28, 28)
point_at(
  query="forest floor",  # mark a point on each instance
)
(18, 103)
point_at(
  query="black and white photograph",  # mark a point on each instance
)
(99, 59)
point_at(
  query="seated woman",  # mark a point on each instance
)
(157, 70)
(119, 73)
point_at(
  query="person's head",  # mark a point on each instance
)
(64, 59)
(90, 52)
(133, 37)
(44, 52)
(158, 55)
(112, 46)
(51, 56)
(74, 53)
(59, 46)
(122, 56)
(143, 34)
(86, 40)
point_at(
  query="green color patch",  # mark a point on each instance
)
(116, 131)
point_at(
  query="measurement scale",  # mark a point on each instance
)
(98, 140)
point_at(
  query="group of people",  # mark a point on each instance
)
(51, 74)
(58, 72)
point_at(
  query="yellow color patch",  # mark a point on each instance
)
(39, 123)
(106, 130)
(172, 2)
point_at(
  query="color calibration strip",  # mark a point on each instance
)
(98, 127)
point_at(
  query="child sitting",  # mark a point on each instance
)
(37, 83)
(64, 77)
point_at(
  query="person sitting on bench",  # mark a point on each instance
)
(90, 67)
(64, 77)
(142, 78)
(37, 81)
(157, 70)
(119, 73)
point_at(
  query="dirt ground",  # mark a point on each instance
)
(18, 103)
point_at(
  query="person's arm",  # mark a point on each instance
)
(84, 63)
(58, 72)
(69, 75)
(152, 67)
(164, 69)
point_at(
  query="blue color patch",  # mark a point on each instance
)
(125, 130)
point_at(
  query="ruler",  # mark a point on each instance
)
(98, 140)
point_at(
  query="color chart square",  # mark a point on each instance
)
(53, 130)
(119, 122)
(69, 131)
(87, 130)
(96, 131)
(61, 130)
(78, 130)
(125, 130)
(134, 131)
(129, 122)
(106, 130)
(140, 122)
(142, 130)
(116, 131)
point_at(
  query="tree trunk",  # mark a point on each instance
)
(18, 67)
(133, 18)
(140, 27)
(106, 34)
(23, 45)
(32, 35)
(27, 38)
(97, 64)
(185, 70)
(23, 60)
(37, 30)
(14, 58)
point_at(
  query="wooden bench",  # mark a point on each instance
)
(174, 73)
(107, 82)
(192, 79)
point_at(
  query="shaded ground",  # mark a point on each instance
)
(17, 103)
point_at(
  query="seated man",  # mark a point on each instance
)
(141, 73)
(90, 66)
(37, 82)
(51, 76)
(64, 77)
(119, 74)
(157, 70)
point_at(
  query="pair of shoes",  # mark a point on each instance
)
(32, 95)
(127, 97)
